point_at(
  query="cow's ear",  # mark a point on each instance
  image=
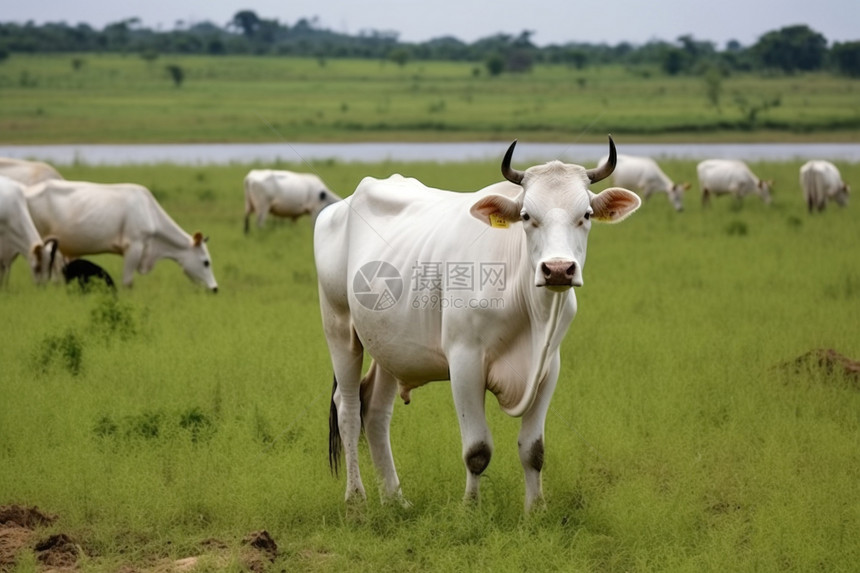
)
(492, 209)
(198, 239)
(614, 204)
(686, 186)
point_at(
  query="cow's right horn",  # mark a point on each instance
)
(603, 171)
(511, 174)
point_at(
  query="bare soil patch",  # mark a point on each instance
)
(827, 361)
(20, 532)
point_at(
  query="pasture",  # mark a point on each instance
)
(169, 422)
(91, 98)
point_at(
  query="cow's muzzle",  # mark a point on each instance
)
(559, 273)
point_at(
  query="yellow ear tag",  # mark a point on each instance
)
(498, 222)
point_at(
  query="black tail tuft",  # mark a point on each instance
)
(334, 443)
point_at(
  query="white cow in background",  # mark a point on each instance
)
(643, 175)
(18, 234)
(730, 176)
(27, 172)
(92, 218)
(284, 194)
(821, 182)
(490, 312)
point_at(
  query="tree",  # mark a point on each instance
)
(713, 80)
(247, 21)
(791, 49)
(399, 56)
(674, 61)
(177, 74)
(846, 58)
(495, 65)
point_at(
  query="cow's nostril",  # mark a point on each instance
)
(571, 270)
(547, 272)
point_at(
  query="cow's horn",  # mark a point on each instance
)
(511, 174)
(603, 171)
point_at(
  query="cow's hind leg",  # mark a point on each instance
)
(345, 413)
(531, 438)
(378, 392)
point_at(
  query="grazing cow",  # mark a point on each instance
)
(730, 176)
(284, 194)
(490, 302)
(125, 219)
(27, 172)
(85, 272)
(18, 234)
(821, 182)
(643, 175)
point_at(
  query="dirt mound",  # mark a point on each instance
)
(60, 552)
(827, 361)
(29, 517)
(17, 532)
(262, 549)
(13, 540)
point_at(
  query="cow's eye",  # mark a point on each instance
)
(206, 264)
(587, 215)
(525, 216)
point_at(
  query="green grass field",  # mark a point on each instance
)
(158, 422)
(111, 98)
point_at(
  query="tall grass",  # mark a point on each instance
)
(675, 441)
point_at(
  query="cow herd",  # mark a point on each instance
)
(475, 288)
(54, 222)
(820, 181)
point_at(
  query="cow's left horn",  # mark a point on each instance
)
(603, 171)
(511, 174)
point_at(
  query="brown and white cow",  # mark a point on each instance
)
(475, 288)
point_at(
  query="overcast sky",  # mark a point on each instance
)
(552, 21)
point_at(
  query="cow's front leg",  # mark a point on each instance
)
(531, 438)
(132, 259)
(469, 388)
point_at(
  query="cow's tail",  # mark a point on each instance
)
(335, 444)
(249, 205)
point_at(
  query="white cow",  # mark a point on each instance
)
(474, 288)
(91, 218)
(821, 181)
(27, 172)
(18, 234)
(284, 194)
(643, 175)
(730, 176)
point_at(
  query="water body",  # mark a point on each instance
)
(265, 153)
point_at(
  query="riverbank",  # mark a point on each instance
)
(226, 153)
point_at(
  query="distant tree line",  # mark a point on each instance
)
(787, 50)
